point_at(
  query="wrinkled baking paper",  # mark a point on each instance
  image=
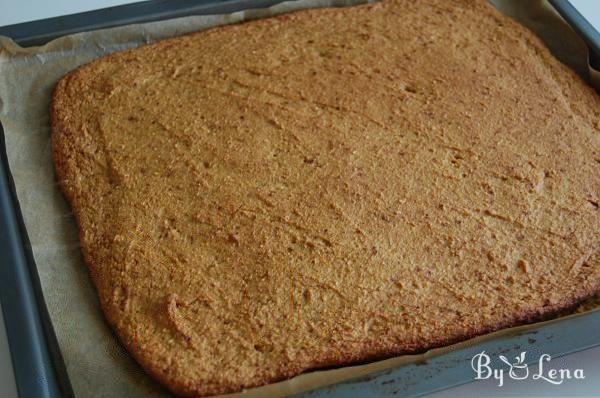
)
(97, 365)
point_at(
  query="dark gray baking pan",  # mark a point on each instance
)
(582, 26)
(37, 362)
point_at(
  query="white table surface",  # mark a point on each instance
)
(16, 11)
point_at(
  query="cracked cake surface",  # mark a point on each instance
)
(329, 186)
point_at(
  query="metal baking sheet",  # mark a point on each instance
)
(582, 26)
(38, 367)
(37, 362)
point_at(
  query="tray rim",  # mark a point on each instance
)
(32, 342)
(42, 31)
(581, 26)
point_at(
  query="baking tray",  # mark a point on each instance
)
(38, 366)
(583, 28)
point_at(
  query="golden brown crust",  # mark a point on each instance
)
(329, 186)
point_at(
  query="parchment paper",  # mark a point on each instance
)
(97, 365)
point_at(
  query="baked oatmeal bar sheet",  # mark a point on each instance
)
(97, 365)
